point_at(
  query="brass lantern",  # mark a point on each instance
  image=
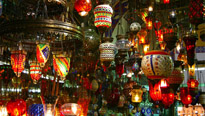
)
(136, 94)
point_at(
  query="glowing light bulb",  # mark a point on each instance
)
(136, 98)
(178, 47)
(150, 8)
(48, 113)
(74, 108)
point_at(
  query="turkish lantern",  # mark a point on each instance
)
(119, 69)
(3, 111)
(136, 94)
(168, 98)
(69, 109)
(155, 91)
(196, 9)
(191, 70)
(16, 107)
(103, 17)
(18, 59)
(186, 98)
(157, 64)
(84, 103)
(83, 7)
(142, 35)
(42, 53)
(61, 65)
(190, 47)
(192, 83)
(145, 48)
(35, 71)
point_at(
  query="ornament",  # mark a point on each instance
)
(168, 98)
(16, 81)
(83, 6)
(94, 85)
(119, 69)
(170, 37)
(196, 9)
(35, 110)
(145, 48)
(42, 53)
(135, 27)
(186, 98)
(113, 99)
(192, 83)
(191, 70)
(166, 1)
(3, 111)
(157, 65)
(35, 71)
(61, 65)
(142, 35)
(148, 22)
(103, 17)
(16, 107)
(122, 45)
(18, 59)
(69, 109)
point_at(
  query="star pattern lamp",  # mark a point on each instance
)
(42, 53)
(35, 71)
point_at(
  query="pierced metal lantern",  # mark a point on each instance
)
(83, 7)
(18, 59)
(42, 53)
(103, 17)
(136, 94)
(135, 27)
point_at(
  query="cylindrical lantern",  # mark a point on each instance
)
(16, 107)
(103, 17)
(70, 109)
(136, 94)
(83, 7)
(190, 47)
(35, 71)
(18, 59)
(186, 98)
(157, 64)
(107, 53)
(42, 53)
(61, 65)
(142, 35)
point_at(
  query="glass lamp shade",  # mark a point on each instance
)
(148, 23)
(166, 1)
(142, 35)
(42, 53)
(136, 95)
(3, 111)
(92, 39)
(83, 7)
(61, 65)
(18, 59)
(16, 107)
(192, 83)
(155, 91)
(145, 48)
(168, 99)
(103, 16)
(191, 70)
(35, 71)
(190, 47)
(196, 11)
(70, 109)
(122, 43)
(157, 64)
(186, 98)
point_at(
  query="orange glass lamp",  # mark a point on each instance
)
(16, 107)
(83, 7)
(155, 91)
(162, 45)
(18, 59)
(136, 94)
(142, 34)
(149, 23)
(191, 70)
(145, 48)
(71, 109)
(42, 53)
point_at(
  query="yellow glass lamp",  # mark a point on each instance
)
(136, 94)
(145, 48)
(191, 70)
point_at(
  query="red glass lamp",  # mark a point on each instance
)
(168, 98)
(69, 109)
(149, 23)
(155, 91)
(83, 7)
(166, 1)
(142, 34)
(16, 107)
(192, 83)
(35, 71)
(18, 59)
(186, 98)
